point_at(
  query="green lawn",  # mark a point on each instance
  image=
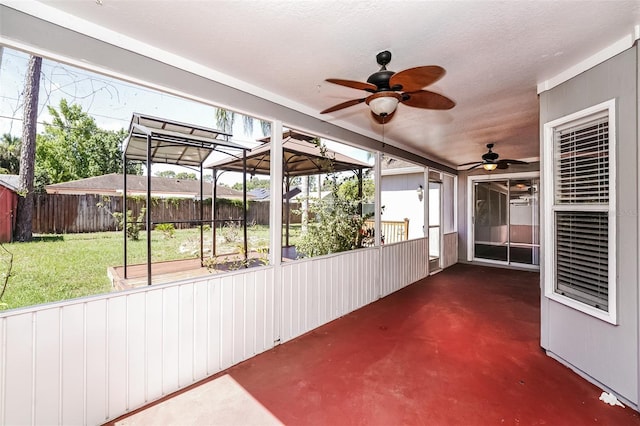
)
(59, 267)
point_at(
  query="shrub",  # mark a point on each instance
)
(133, 225)
(167, 229)
(338, 226)
(231, 232)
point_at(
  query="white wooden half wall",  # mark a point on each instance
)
(87, 361)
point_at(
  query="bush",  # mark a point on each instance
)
(167, 229)
(231, 232)
(133, 225)
(338, 227)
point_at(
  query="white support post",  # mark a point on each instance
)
(275, 225)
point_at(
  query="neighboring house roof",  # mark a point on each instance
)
(10, 181)
(313, 195)
(112, 184)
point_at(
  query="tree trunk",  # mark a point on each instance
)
(24, 224)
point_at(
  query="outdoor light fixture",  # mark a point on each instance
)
(420, 192)
(383, 103)
(489, 166)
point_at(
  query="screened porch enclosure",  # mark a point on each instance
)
(90, 360)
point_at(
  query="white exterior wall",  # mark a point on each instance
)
(605, 354)
(400, 200)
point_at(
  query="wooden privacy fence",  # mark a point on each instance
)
(67, 214)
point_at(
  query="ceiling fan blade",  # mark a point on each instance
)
(512, 161)
(383, 120)
(470, 163)
(474, 167)
(343, 105)
(413, 79)
(428, 100)
(502, 165)
(354, 84)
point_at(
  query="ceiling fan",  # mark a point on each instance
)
(389, 88)
(490, 161)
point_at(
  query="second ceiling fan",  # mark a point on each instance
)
(490, 161)
(387, 89)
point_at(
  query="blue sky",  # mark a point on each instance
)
(111, 102)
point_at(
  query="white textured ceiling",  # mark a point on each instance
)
(495, 54)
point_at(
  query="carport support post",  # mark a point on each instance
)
(148, 224)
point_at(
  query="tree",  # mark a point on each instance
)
(225, 120)
(24, 227)
(170, 174)
(186, 176)
(253, 183)
(10, 154)
(73, 147)
(349, 188)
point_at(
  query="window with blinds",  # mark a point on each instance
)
(579, 149)
(582, 257)
(582, 163)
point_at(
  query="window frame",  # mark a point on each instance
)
(607, 108)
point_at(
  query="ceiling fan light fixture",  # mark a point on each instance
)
(383, 103)
(489, 166)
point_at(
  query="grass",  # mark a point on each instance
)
(59, 267)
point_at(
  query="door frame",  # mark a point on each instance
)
(471, 180)
(440, 221)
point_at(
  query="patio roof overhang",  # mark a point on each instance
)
(172, 142)
(301, 157)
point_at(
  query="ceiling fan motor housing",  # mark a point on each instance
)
(381, 79)
(490, 156)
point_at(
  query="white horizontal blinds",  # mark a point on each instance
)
(582, 162)
(581, 168)
(582, 257)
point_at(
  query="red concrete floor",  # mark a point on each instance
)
(458, 348)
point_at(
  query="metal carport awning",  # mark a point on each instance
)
(302, 155)
(159, 140)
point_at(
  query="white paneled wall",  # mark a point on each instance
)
(318, 290)
(90, 360)
(450, 249)
(404, 263)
